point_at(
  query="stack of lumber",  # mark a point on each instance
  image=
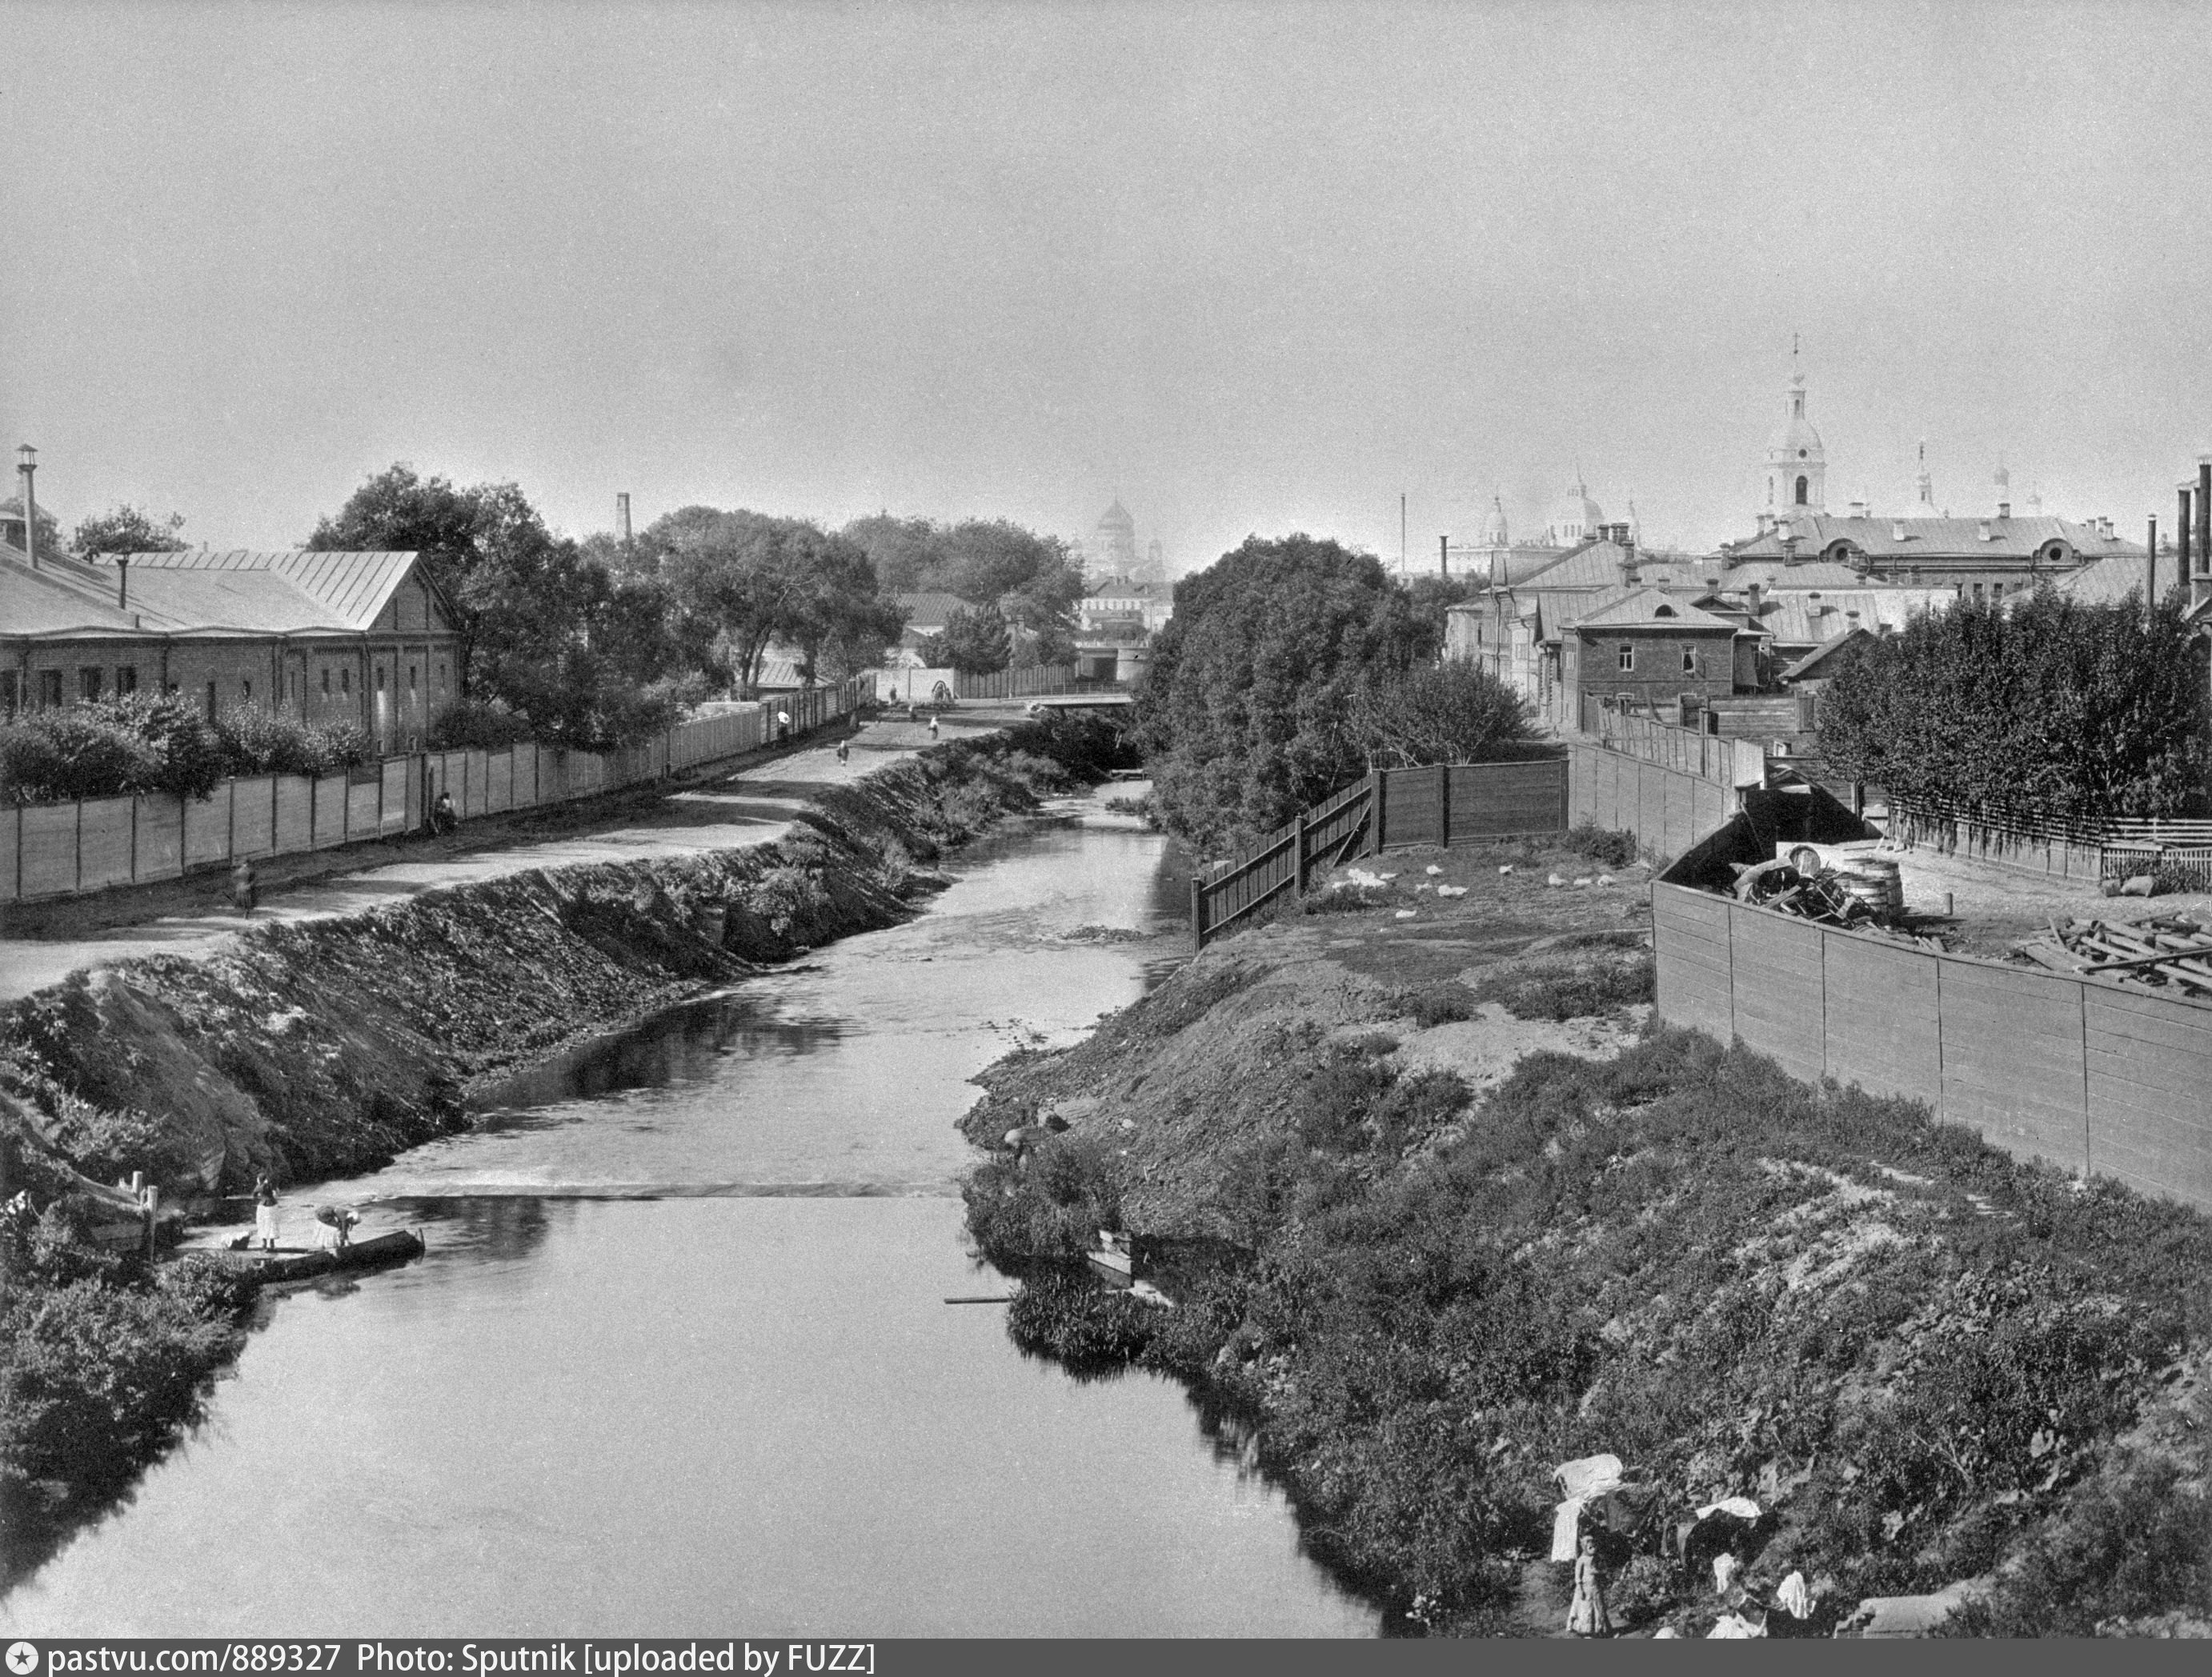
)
(2170, 953)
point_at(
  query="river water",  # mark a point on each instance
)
(678, 1362)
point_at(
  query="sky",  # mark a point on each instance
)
(1252, 268)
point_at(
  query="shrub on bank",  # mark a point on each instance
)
(478, 725)
(255, 741)
(1601, 845)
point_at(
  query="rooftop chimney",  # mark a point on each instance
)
(1752, 594)
(1897, 529)
(123, 580)
(26, 462)
(2004, 509)
(1988, 534)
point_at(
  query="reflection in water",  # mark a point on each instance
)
(716, 1416)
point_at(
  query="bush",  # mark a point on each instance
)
(1601, 845)
(255, 742)
(141, 742)
(1440, 1004)
(478, 725)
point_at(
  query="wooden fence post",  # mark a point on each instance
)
(1197, 914)
(1443, 806)
(1376, 778)
(1298, 855)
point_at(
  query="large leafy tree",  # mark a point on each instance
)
(127, 529)
(1252, 706)
(748, 580)
(545, 631)
(2042, 706)
(976, 642)
(1032, 581)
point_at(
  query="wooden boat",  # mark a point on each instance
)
(298, 1264)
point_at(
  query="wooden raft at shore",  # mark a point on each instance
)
(299, 1264)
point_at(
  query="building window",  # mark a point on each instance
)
(1690, 663)
(1978, 593)
(380, 678)
(7, 692)
(49, 689)
(210, 702)
(126, 677)
(411, 678)
(326, 682)
(1627, 659)
(345, 681)
(246, 691)
(441, 675)
(1804, 491)
(88, 682)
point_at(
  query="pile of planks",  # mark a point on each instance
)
(2170, 952)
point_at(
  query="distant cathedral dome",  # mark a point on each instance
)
(1576, 519)
(1115, 545)
(1493, 525)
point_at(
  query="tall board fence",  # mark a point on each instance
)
(1390, 809)
(2085, 1073)
(93, 843)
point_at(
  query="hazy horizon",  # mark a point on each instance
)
(1252, 268)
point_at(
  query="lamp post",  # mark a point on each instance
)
(26, 462)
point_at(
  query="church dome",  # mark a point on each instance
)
(1493, 525)
(1575, 518)
(1116, 517)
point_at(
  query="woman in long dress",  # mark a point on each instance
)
(265, 1212)
(1586, 1614)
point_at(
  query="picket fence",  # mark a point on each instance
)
(95, 843)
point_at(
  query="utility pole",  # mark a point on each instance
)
(1401, 533)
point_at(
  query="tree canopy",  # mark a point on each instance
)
(976, 642)
(127, 529)
(548, 634)
(745, 579)
(1259, 692)
(1033, 581)
(2041, 704)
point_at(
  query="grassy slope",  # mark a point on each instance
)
(1930, 1361)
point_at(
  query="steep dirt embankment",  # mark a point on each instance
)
(323, 1048)
(1450, 1214)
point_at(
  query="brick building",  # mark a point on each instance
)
(357, 637)
(1654, 650)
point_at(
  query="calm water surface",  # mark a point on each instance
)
(678, 1362)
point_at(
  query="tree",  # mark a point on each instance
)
(976, 642)
(1248, 713)
(1451, 712)
(2040, 705)
(127, 529)
(545, 631)
(1032, 580)
(748, 580)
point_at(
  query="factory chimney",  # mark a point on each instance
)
(622, 517)
(122, 580)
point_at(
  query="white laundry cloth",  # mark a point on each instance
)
(1733, 1627)
(1724, 1567)
(1742, 1507)
(1793, 1598)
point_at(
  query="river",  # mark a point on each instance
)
(678, 1362)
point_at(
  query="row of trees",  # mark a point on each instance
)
(2043, 705)
(1291, 666)
(598, 642)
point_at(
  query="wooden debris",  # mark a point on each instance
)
(2168, 951)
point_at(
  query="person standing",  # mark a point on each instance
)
(243, 888)
(844, 750)
(265, 1212)
(933, 725)
(1586, 1614)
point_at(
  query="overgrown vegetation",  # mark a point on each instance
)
(2041, 704)
(1919, 1351)
(103, 1362)
(1602, 845)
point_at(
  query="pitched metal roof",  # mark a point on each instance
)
(1807, 617)
(47, 603)
(1652, 608)
(1926, 538)
(1593, 565)
(923, 610)
(2108, 582)
(353, 588)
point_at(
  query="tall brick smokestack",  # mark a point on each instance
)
(26, 462)
(622, 517)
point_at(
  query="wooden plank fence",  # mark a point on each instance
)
(61, 849)
(2092, 850)
(2091, 1075)
(1390, 809)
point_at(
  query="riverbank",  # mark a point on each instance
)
(1441, 1211)
(322, 1048)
